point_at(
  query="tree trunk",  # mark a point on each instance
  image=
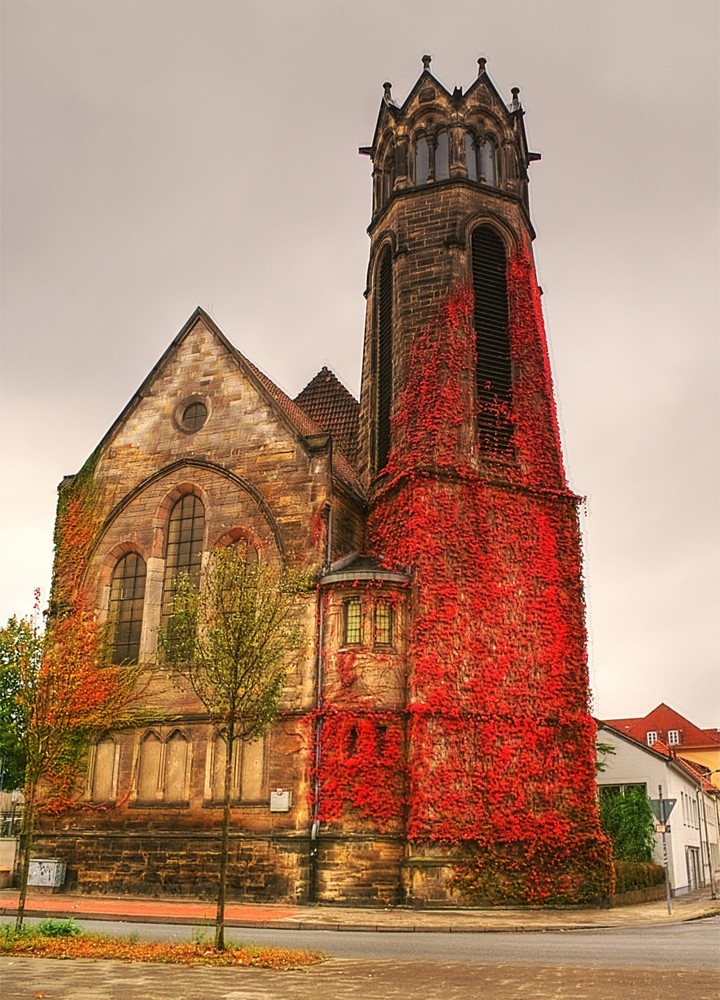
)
(224, 841)
(26, 840)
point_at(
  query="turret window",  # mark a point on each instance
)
(442, 157)
(488, 162)
(471, 157)
(493, 374)
(422, 160)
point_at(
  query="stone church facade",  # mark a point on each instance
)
(434, 744)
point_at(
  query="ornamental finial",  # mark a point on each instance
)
(426, 60)
(481, 65)
(387, 96)
(515, 102)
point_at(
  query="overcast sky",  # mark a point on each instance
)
(163, 154)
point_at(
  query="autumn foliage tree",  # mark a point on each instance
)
(66, 692)
(65, 696)
(230, 639)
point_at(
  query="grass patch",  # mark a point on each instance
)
(33, 942)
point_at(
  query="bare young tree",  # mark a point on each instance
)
(230, 639)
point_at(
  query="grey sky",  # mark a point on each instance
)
(163, 154)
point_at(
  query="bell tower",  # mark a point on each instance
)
(460, 454)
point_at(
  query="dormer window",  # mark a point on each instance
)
(651, 737)
(673, 737)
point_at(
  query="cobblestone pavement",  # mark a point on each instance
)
(31, 979)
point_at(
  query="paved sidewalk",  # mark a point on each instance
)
(692, 906)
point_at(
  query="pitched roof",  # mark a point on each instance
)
(662, 719)
(696, 772)
(298, 420)
(326, 401)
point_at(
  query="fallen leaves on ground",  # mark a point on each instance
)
(183, 953)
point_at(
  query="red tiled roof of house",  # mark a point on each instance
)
(662, 720)
(326, 400)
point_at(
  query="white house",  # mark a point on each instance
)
(692, 840)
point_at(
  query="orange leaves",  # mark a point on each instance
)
(123, 949)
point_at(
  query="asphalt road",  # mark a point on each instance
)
(671, 963)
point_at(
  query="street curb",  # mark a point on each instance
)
(304, 925)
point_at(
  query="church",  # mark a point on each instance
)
(434, 744)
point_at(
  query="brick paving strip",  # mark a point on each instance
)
(191, 911)
(83, 979)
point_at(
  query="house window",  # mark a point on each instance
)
(383, 624)
(183, 553)
(353, 622)
(673, 737)
(493, 377)
(384, 359)
(651, 737)
(127, 597)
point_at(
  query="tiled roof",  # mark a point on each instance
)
(663, 719)
(326, 400)
(304, 421)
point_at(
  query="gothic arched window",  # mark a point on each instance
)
(494, 372)
(488, 162)
(471, 156)
(384, 359)
(184, 546)
(442, 156)
(387, 180)
(422, 160)
(127, 597)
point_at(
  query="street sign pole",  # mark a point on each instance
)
(664, 843)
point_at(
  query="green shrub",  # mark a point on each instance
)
(58, 928)
(627, 818)
(631, 875)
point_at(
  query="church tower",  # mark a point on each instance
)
(460, 454)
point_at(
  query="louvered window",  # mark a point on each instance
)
(127, 597)
(384, 360)
(493, 375)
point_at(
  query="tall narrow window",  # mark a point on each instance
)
(352, 625)
(493, 374)
(488, 162)
(442, 157)
(186, 530)
(471, 157)
(383, 624)
(127, 597)
(422, 160)
(384, 360)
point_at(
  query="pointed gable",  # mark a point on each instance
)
(662, 720)
(326, 400)
(200, 325)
